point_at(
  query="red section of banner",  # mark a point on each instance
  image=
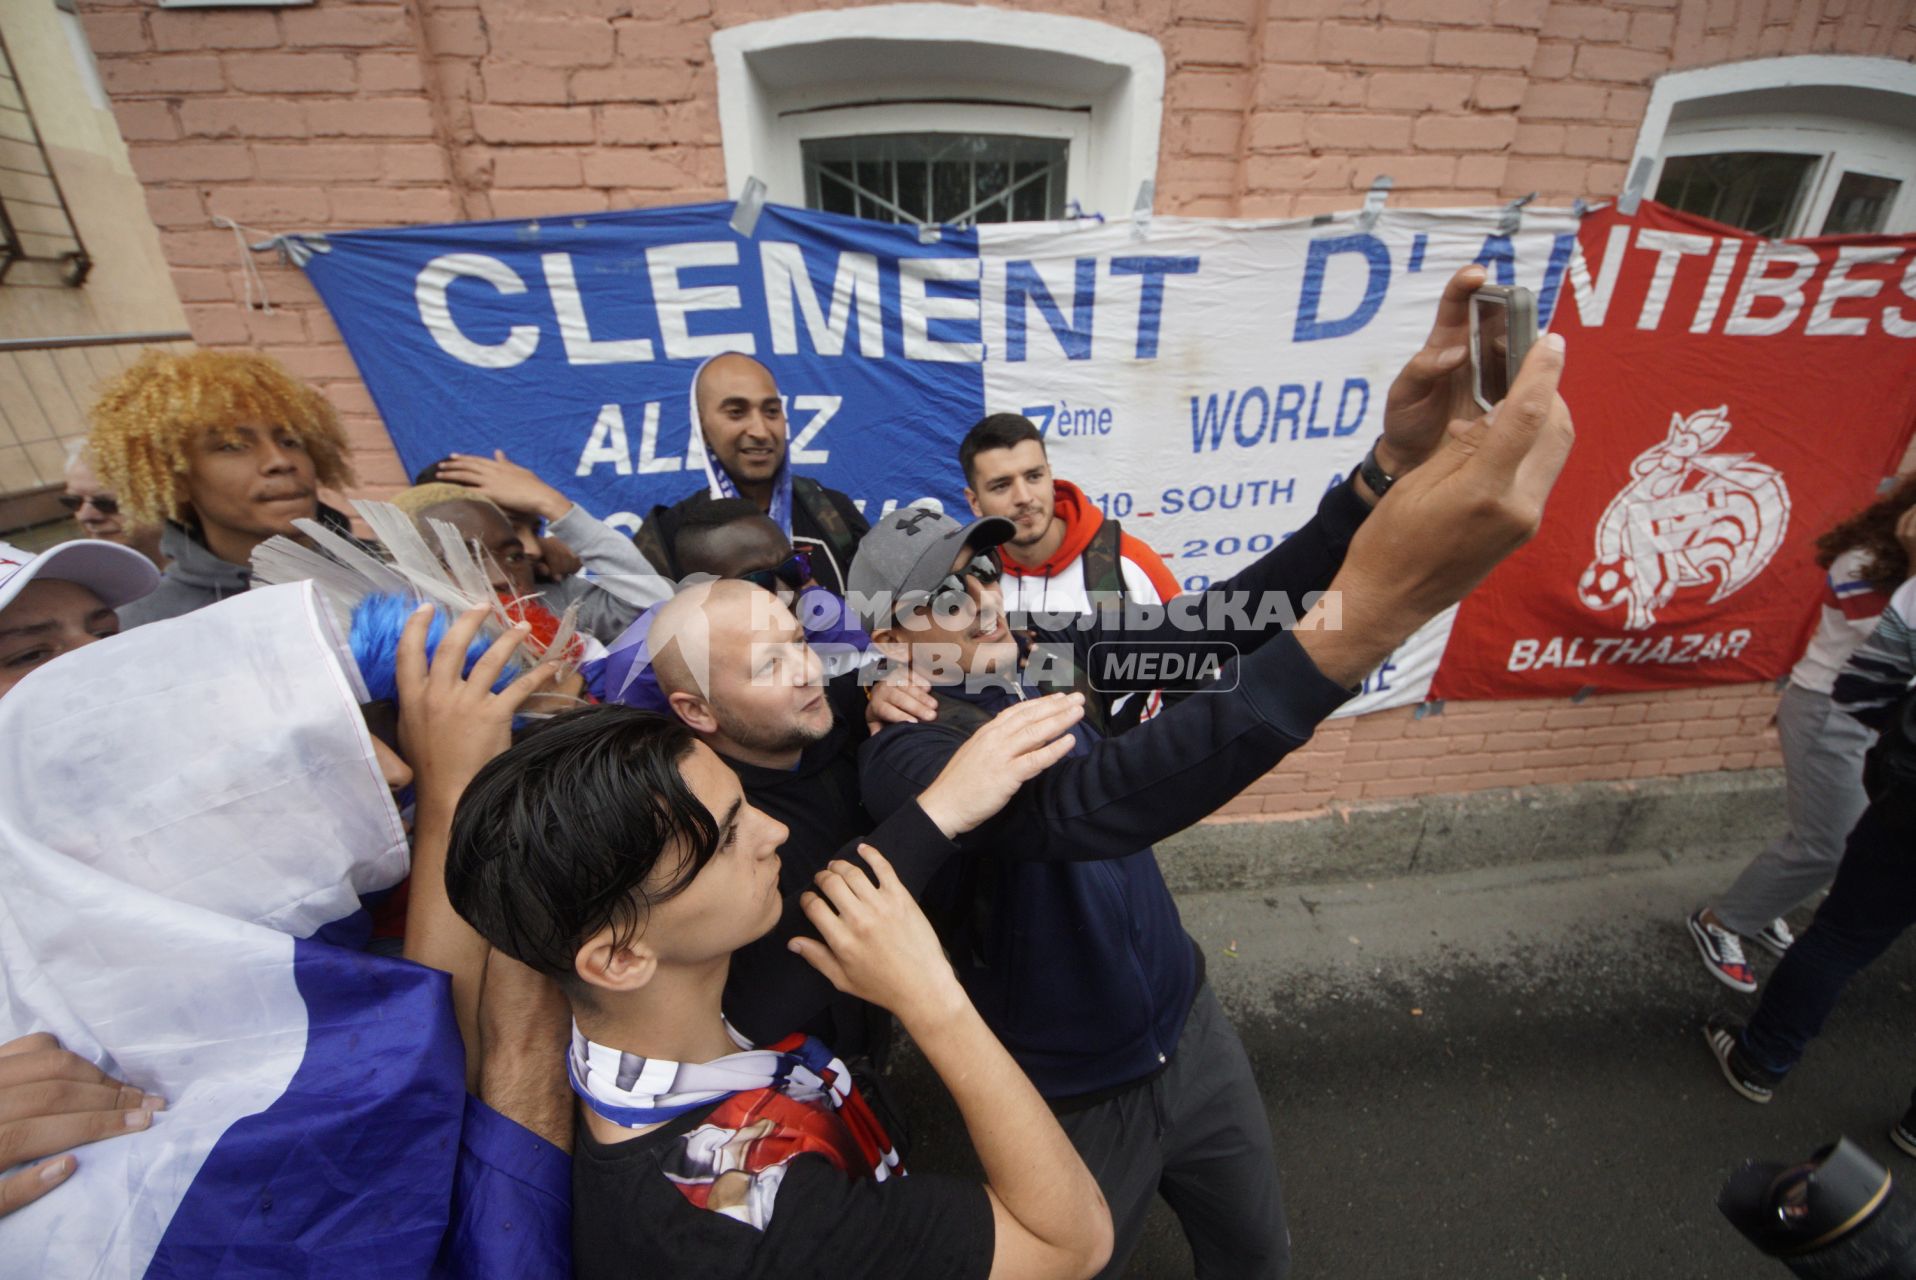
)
(1734, 398)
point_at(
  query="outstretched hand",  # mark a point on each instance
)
(1434, 387)
(1442, 528)
(1019, 743)
(52, 1101)
(878, 945)
(450, 722)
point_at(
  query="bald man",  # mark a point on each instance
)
(735, 668)
(743, 445)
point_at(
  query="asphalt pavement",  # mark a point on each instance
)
(1501, 1073)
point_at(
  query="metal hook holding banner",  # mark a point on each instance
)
(1141, 209)
(1374, 203)
(1633, 189)
(751, 203)
(1512, 218)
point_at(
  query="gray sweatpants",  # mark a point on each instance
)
(1199, 1136)
(1823, 793)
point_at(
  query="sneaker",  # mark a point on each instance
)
(1748, 1079)
(1903, 1132)
(1722, 953)
(1775, 937)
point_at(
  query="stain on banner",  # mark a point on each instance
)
(1734, 398)
(1204, 384)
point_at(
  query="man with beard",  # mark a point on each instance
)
(739, 435)
(734, 666)
(1066, 558)
(1065, 933)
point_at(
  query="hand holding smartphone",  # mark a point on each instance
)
(1503, 328)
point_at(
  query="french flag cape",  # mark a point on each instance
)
(189, 818)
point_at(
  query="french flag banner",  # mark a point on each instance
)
(1203, 381)
(189, 818)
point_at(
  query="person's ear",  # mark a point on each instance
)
(604, 965)
(695, 711)
(891, 642)
(971, 500)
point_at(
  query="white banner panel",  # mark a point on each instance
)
(1206, 381)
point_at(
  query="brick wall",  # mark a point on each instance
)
(357, 113)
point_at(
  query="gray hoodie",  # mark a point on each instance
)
(195, 577)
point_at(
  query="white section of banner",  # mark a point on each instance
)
(1222, 375)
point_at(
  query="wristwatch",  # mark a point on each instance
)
(1373, 474)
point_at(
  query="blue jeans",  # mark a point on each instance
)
(1870, 904)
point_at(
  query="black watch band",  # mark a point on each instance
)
(1373, 474)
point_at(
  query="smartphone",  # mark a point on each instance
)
(1503, 328)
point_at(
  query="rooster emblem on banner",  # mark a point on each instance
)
(1687, 518)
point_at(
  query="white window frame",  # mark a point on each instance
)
(1842, 145)
(952, 69)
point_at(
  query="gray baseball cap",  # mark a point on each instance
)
(907, 554)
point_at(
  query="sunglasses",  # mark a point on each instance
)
(951, 594)
(794, 573)
(104, 503)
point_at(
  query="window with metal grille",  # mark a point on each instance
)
(955, 179)
(35, 227)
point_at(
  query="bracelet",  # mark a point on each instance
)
(1373, 473)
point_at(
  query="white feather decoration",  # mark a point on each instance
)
(347, 572)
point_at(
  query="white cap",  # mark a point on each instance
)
(112, 572)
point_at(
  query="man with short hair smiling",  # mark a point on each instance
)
(740, 437)
(735, 668)
(1086, 972)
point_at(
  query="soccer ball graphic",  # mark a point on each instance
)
(1606, 583)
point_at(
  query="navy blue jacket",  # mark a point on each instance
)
(1067, 938)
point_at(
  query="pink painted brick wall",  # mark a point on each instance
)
(354, 113)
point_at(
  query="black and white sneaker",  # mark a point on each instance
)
(1775, 937)
(1744, 1076)
(1722, 953)
(1903, 1132)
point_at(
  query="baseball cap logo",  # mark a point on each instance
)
(909, 524)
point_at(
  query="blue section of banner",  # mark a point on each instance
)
(571, 342)
(366, 1134)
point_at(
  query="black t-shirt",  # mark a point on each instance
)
(645, 1207)
(771, 992)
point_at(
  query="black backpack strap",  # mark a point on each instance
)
(824, 513)
(1103, 560)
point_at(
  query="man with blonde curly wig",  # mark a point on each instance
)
(225, 449)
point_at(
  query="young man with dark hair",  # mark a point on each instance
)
(1066, 557)
(739, 435)
(612, 851)
(1112, 1017)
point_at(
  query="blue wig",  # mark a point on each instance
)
(377, 624)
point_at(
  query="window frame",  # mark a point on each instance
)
(782, 80)
(1839, 143)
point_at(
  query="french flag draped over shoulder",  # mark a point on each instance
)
(189, 817)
